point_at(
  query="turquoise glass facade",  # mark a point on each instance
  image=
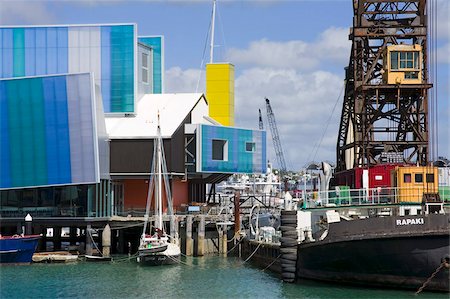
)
(106, 50)
(157, 44)
(244, 150)
(47, 131)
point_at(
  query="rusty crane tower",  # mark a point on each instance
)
(385, 115)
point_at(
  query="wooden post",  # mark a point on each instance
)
(201, 236)
(189, 240)
(174, 230)
(106, 241)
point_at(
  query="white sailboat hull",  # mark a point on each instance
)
(169, 256)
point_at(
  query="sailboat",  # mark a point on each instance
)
(158, 248)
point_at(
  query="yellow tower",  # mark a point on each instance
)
(220, 92)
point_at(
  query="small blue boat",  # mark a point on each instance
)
(18, 249)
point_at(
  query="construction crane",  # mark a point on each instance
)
(275, 138)
(261, 126)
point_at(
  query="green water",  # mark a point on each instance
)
(205, 277)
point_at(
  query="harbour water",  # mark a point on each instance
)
(203, 277)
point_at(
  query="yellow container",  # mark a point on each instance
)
(413, 181)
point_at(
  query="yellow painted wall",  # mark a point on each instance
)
(413, 191)
(220, 92)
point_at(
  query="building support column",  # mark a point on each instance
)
(57, 238)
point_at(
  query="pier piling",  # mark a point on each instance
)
(189, 240)
(106, 241)
(201, 237)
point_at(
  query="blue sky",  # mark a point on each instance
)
(292, 52)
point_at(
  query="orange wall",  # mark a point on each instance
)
(135, 193)
(179, 193)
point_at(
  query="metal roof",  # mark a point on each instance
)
(173, 109)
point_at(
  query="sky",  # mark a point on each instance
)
(292, 52)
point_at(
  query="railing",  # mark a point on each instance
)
(373, 196)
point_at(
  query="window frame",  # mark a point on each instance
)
(145, 68)
(404, 58)
(253, 144)
(224, 149)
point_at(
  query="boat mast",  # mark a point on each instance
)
(211, 49)
(159, 199)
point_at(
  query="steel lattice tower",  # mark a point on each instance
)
(383, 122)
(276, 138)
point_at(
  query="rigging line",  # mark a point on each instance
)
(328, 121)
(436, 79)
(204, 52)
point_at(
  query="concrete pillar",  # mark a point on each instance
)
(28, 225)
(224, 241)
(88, 240)
(174, 230)
(106, 241)
(201, 236)
(57, 238)
(189, 240)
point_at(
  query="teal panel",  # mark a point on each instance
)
(27, 132)
(122, 69)
(19, 52)
(155, 42)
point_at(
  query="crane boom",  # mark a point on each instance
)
(261, 125)
(275, 137)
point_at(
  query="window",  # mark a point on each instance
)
(220, 150)
(430, 178)
(407, 178)
(405, 60)
(145, 63)
(250, 147)
(418, 178)
(407, 212)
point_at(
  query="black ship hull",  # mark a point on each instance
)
(381, 252)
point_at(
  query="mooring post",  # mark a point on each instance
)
(189, 240)
(106, 240)
(223, 240)
(201, 236)
(29, 225)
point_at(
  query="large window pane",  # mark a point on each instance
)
(394, 60)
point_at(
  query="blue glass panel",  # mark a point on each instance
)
(122, 68)
(41, 51)
(19, 52)
(63, 51)
(106, 67)
(30, 51)
(57, 130)
(52, 53)
(5, 176)
(156, 44)
(7, 53)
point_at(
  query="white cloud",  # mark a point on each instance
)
(25, 12)
(302, 104)
(178, 80)
(332, 46)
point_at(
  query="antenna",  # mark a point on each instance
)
(211, 50)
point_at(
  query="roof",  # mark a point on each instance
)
(173, 109)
